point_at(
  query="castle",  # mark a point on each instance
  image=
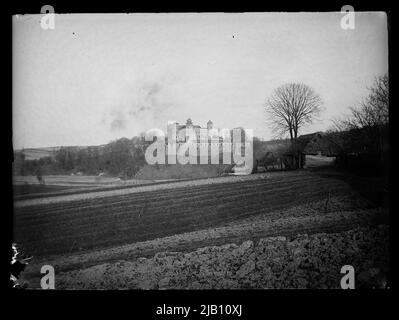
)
(181, 139)
(188, 140)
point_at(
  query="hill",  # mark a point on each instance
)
(179, 171)
(37, 153)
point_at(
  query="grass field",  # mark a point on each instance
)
(28, 187)
(318, 161)
(66, 180)
(33, 189)
(179, 171)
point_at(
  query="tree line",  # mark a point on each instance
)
(361, 136)
(122, 157)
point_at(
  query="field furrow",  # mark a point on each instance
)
(58, 228)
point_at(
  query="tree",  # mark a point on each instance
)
(373, 111)
(291, 107)
(19, 163)
(365, 129)
(123, 157)
(371, 116)
(65, 158)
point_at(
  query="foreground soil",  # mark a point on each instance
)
(309, 242)
(304, 261)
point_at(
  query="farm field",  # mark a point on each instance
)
(94, 223)
(21, 190)
(128, 224)
(66, 180)
(27, 187)
(318, 161)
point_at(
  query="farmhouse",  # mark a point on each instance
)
(278, 155)
(317, 143)
(312, 144)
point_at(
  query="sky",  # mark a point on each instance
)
(95, 78)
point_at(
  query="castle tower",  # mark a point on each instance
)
(209, 125)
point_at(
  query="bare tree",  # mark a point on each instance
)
(291, 107)
(370, 118)
(373, 111)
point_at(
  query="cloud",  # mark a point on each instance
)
(139, 106)
(116, 120)
(147, 99)
(118, 124)
(153, 90)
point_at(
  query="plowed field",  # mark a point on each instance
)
(103, 222)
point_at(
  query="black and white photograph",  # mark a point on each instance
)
(200, 151)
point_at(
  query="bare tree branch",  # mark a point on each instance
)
(293, 106)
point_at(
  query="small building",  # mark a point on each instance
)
(283, 157)
(317, 143)
(293, 161)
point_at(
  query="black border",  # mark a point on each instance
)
(203, 6)
(256, 304)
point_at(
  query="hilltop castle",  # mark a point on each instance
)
(196, 128)
(193, 144)
(189, 125)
